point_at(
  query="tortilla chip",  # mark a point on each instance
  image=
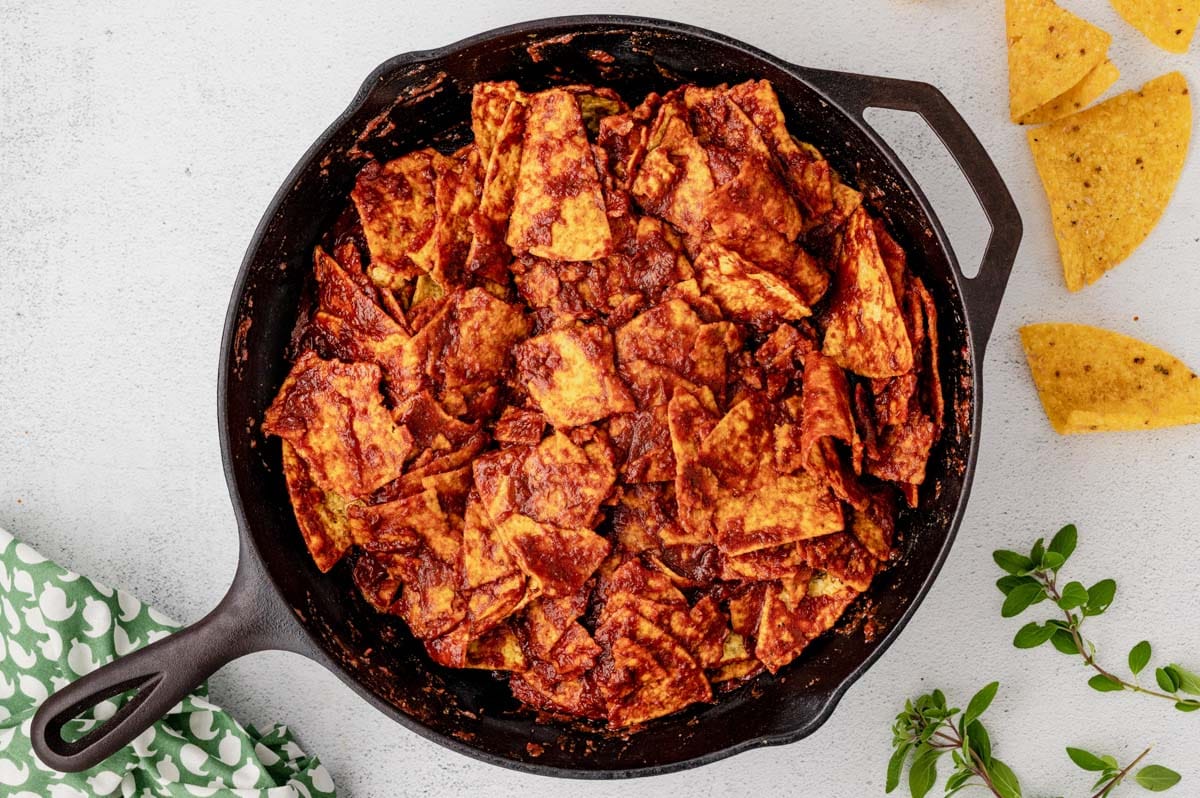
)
(558, 211)
(558, 560)
(776, 509)
(745, 292)
(865, 331)
(1050, 50)
(689, 424)
(489, 255)
(1092, 380)
(674, 177)
(1109, 172)
(1076, 98)
(490, 103)
(570, 374)
(396, 204)
(519, 425)
(333, 415)
(1170, 24)
(625, 136)
(321, 515)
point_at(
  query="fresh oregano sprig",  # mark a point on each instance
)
(1033, 578)
(926, 731)
(1155, 778)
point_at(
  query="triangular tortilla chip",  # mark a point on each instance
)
(1168, 23)
(1076, 98)
(1049, 51)
(1109, 172)
(1092, 380)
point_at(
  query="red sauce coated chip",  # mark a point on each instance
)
(617, 403)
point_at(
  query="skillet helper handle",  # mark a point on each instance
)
(162, 674)
(984, 292)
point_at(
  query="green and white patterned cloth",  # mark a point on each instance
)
(56, 626)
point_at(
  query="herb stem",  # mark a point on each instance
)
(1117, 779)
(1085, 648)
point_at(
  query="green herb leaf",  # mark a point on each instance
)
(1166, 679)
(1064, 642)
(923, 773)
(1157, 778)
(1008, 582)
(1004, 779)
(1188, 706)
(1105, 684)
(1100, 595)
(957, 781)
(1052, 561)
(1139, 657)
(1022, 598)
(979, 703)
(1073, 595)
(1039, 549)
(1112, 763)
(1012, 562)
(895, 765)
(1064, 541)
(1188, 682)
(1086, 759)
(1033, 634)
(979, 742)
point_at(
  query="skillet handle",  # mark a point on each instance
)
(982, 293)
(251, 617)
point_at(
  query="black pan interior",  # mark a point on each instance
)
(414, 101)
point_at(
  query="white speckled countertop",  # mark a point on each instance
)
(138, 148)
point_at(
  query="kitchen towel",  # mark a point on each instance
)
(57, 626)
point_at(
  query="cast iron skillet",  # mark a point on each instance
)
(279, 600)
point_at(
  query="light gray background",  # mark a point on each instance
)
(139, 145)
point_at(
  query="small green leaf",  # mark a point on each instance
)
(1004, 779)
(1033, 634)
(1188, 682)
(979, 742)
(1100, 595)
(1139, 657)
(1188, 706)
(1007, 582)
(957, 781)
(1064, 642)
(1105, 684)
(1012, 562)
(923, 773)
(1166, 679)
(1052, 561)
(1157, 778)
(1064, 541)
(1039, 549)
(1112, 763)
(1022, 598)
(1073, 595)
(939, 699)
(1086, 759)
(895, 765)
(980, 702)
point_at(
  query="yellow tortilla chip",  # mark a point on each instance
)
(570, 374)
(1109, 172)
(558, 211)
(1049, 51)
(1076, 98)
(1093, 380)
(1168, 23)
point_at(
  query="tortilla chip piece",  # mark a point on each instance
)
(1092, 380)
(625, 136)
(695, 486)
(1109, 172)
(489, 255)
(807, 172)
(489, 108)
(483, 332)
(776, 509)
(746, 292)
(321, 515)
(396, 204)
(351, 324)
(674, 177)
(558, 211)
(1049, 51)
(1076, 98)
(333, 415)
(558, 560)
(865, 331)
(519, 425)
(1170, 24)
(570, 374)
(456, 196)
